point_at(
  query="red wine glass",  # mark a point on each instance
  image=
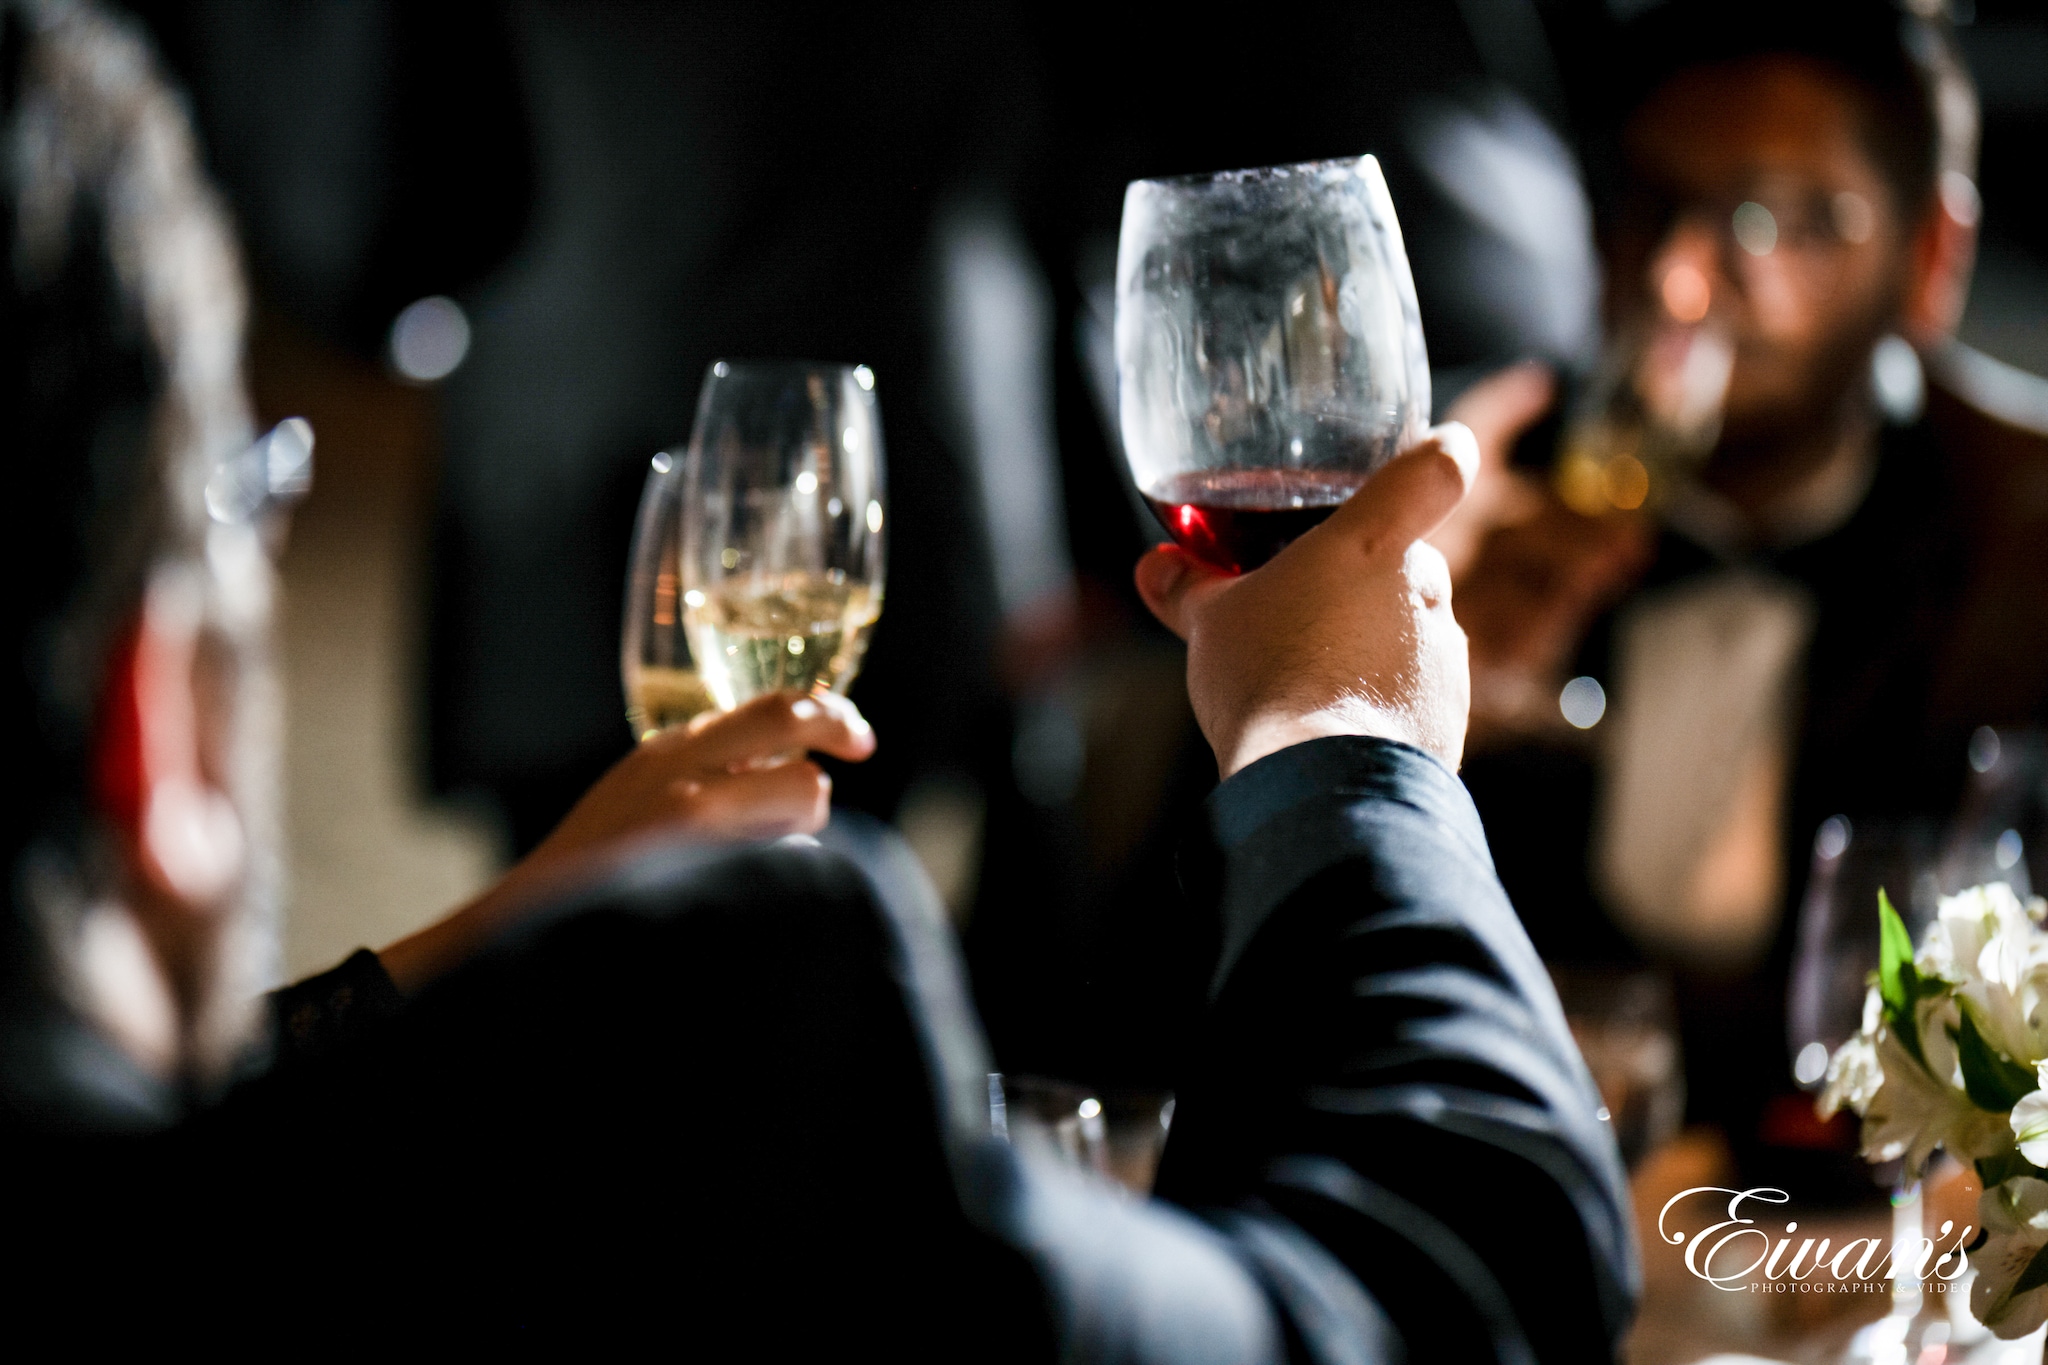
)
(1269, 350)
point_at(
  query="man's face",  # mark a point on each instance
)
(1751, 179)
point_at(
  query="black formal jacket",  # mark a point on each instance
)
(737, 1098)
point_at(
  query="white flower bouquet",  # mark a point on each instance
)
(1953, 1053)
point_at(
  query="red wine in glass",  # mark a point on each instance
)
(1237, 519)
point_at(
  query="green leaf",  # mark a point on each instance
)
(1994, 1081)
(2033, 1277)
(1895, 956)
(1898, 984)
(1993, 1171)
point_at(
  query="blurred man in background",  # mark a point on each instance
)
(1814, 619)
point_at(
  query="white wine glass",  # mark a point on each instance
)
(782, 545)
(1269, 350)
(661, 681)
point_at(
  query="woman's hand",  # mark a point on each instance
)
(739, 775)
(722, 776)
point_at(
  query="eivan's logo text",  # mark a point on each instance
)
(1736, 1252)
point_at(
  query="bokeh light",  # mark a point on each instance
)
(1686, 293)
(1583, 702)
(1756, 230)
(429, 339)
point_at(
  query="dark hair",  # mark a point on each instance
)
(1920, 107)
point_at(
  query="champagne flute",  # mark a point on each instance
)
(662, 685)
(782, 528)
(1269, 350)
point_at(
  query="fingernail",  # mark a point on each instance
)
(1458, 442)
(849, 715)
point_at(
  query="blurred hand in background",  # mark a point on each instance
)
(1530, 574)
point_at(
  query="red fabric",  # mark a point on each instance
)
(117, 739)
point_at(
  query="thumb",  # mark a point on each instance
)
(1172, 581)
(1415, 492)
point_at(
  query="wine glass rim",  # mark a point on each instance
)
(724, 366)
(1254, 175)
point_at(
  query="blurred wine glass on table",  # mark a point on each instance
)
(1269, 350)
(1838, 945)
(781, 554)
(1116, 1134)
(662, 684)
(1626, 1026)
(1915, 863)
(2000, 833)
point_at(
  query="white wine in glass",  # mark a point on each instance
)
(782, 564)
(804, 633)
(662, 685)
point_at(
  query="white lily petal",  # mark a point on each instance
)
(2014, 1217)
(1854, 1075)
(2030, 1127)
(1912, 1114)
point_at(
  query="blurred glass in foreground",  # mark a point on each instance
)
(662, 685)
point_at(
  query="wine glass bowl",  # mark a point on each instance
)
(781, 557)
(1269, 350)
(1838, 941)
(661, 680)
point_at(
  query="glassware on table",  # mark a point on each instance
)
(1837, 949)
(661, 681)
(1917, 863)
(1117, 1135)
(2000, 831)
(1836, 959)
(1626, 1025)
(1269, 350)
(781, 558)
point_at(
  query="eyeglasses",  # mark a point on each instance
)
(1779, 218)
(267, 477)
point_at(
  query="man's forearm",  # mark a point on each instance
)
(1385, 1068)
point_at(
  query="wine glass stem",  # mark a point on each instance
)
(1907, 1230)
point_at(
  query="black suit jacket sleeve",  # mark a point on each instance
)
(1385, 1096)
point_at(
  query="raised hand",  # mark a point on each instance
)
(1346, 631)
(740, 775)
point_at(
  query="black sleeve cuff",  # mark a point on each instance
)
(1277, 823)
(323, 1012)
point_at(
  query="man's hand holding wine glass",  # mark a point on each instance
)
(1346, 631)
